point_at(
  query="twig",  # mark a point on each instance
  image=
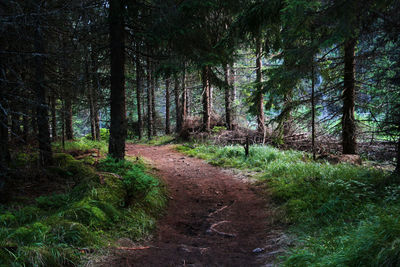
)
(212, 228)
(135, 248)
(221, 209)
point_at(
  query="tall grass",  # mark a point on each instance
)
(342, 215)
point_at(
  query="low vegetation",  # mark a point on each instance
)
(111, 201)
(156, 140)
(340, 215)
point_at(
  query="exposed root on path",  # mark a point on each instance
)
(212, 228)
(221, 209)
(136, 248)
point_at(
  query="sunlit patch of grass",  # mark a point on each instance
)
(343, 215)
(81, 144)
(156, 140)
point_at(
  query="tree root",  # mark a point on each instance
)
(212, 228)
(135, 248)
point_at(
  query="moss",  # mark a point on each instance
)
(24, 159)
(91, 214)
(113, 191)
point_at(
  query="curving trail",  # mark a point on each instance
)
(212, 219)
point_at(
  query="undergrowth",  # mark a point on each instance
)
(122, 200)
(156, 140)
(342, 215)
(81, 144)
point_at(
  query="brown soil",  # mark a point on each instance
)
(212, 219)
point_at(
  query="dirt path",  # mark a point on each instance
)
(213, 219)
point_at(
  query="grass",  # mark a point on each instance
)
(82, 144)
(156, 140)
(122, 200)
(341, 215)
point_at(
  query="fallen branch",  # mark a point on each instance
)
(221, 209)
(212, 228)
(218, 210)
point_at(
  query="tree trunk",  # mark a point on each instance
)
(118, 117)
(178, 108)
(4, 150)
(149, 107)
(92, 115)
(313, 109)
(228, 104)
(34, 122)
(53, 116)
(167, 104)
(260, 96)
(16, 124)
(89, 86)
(398, 157)
(349, 142)
(69, 131)
(188, 99)
(233, 93)
(25, 125)
(206, 99)
(45, 153)
(96, 108)
(139, 93)
(153, 100)
(184, 95)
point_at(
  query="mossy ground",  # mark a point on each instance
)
(341, 215)
(115, 200)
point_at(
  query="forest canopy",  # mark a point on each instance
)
(324, 72)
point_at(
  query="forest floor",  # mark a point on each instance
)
(214, 217)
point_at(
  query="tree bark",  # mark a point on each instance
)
(96, 108)
(228, 98)
(313, 109)
(92, 115)
(260, 96)
(139, 93)
(398, 157)
(153, 100)
(53, 116)
(89, 86)
(233, 93)
(184, 95)
(69, 131)
(167, 105)
(45, 153)
(4, 150)
(15, 124)
(149, 98)
(349, 142)
(178, 108)
(206, 99)
(118, 117)
(25, 124)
